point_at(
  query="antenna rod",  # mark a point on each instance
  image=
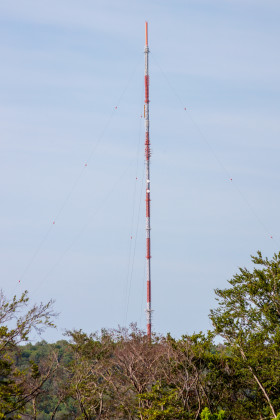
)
(148, 185)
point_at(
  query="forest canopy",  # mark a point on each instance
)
(122, 374)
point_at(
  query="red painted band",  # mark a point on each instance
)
(149, 330)
(148, 292)
(148, 248)
(147, 89)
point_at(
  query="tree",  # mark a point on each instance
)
(110, 369)
(54, 400)
(89, 371)
(17, 320)
(248, 319)
(203, 374)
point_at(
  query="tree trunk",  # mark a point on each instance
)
(259, 384)
(34, 409)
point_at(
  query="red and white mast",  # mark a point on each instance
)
(148, 186)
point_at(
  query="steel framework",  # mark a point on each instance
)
(148, 186)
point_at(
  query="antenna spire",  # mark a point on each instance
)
(148, 185)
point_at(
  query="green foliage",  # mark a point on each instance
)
(206, 415)
(248, 318)
(54, 395)
(17, 320)
(162, 402)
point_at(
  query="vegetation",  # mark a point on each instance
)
(120, 374)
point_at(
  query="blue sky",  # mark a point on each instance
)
(64, 67)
